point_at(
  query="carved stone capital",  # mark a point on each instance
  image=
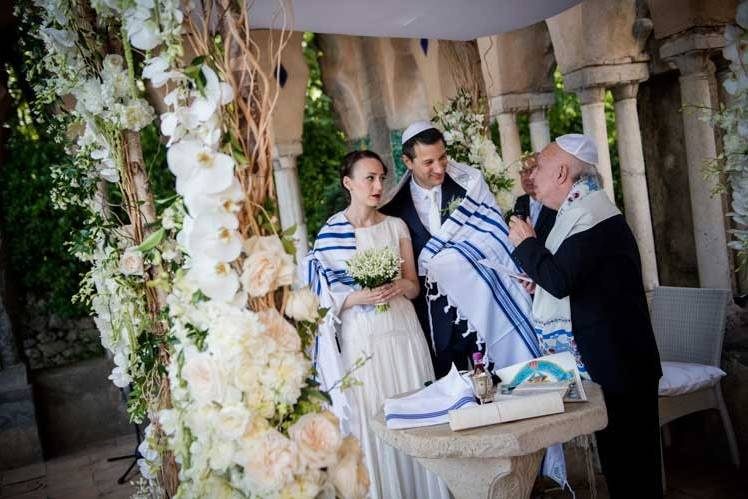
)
(607, 75)
(591, 95)
(625, 91)
(519, 103)
(287, 149)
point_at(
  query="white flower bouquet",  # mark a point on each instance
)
(372, 268)
(468, 141)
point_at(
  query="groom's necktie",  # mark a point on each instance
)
(435, 218)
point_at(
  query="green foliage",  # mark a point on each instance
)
(35, 234)
(324, 147)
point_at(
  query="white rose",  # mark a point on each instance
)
(269, 461)
(318, 438)
(221, 454)
(267, 266)
(131, 262)
(280, 330)
(231, 421)
(303, 305)
(204, 378)
(349, 474)
(505, 200)
(284, 377)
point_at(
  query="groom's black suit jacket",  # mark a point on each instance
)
(448, 340)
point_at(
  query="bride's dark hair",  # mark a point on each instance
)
(349, 162)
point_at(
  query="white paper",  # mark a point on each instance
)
(506, 409)
(492, 264)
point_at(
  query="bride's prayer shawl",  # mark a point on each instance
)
(324, 271)
(585, 206)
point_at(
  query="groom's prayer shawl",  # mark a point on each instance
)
(495, 305)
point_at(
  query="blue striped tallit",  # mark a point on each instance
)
(324, 271)
(495, 305)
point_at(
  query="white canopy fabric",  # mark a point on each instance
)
(431, 19)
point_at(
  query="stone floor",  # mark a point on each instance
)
(697, 467)
(83, 475)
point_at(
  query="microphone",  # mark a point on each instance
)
(522, 211)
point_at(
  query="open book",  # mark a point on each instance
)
(553, 373)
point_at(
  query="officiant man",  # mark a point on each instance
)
(423, 205)
(588, 277)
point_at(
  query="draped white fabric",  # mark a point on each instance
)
(431, 19)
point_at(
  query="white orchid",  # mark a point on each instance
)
(226, 201)
(214, 235)
(216, 279)
(217, 93)
(157, 69)
(199, 168)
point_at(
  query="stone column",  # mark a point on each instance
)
(697, 71)
(593, 122)
(290, 206)
(511, 147)
(540, 132)
(634, 180)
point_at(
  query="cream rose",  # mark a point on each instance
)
(349, 474)
(269, 461)
(303, 305)
(267, 266)
(204, 378)
(280, 330)
(131, 262)
(318, 438)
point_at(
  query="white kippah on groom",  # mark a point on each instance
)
(415, 128)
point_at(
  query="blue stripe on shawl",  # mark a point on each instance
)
(456, 405)
(333, 235)
(500, 294)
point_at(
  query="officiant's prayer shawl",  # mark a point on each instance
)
(585, 207)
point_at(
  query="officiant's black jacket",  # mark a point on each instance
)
(600, 271)
(448, 339)
(546, 217)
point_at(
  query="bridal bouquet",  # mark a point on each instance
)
(373, 268)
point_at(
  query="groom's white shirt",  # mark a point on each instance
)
(422, 200)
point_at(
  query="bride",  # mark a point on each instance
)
(399, 356)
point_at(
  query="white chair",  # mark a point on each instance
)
(689, 326)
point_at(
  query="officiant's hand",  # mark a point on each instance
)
(519, 230)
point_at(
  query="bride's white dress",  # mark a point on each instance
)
(399, 363)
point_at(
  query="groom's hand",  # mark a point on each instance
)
(519, 230)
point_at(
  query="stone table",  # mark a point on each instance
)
(498, 461)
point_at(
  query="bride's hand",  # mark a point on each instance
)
(395, 288)
(369, 296)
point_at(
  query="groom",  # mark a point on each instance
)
(423, 203)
